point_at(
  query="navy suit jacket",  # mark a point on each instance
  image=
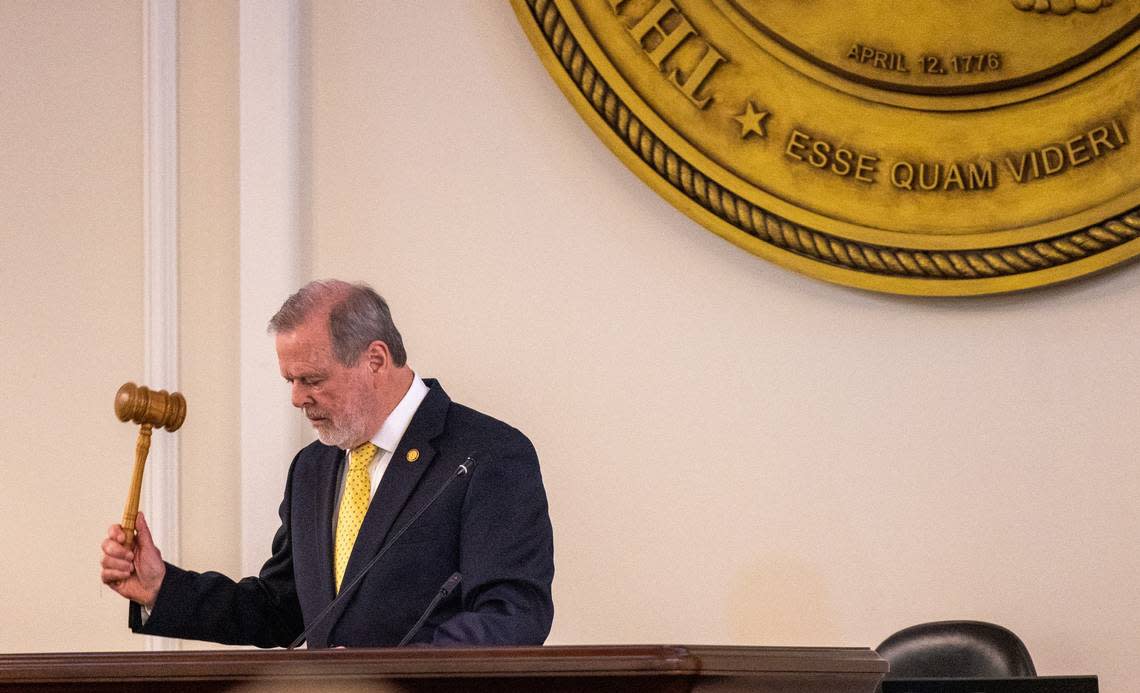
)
(491, 525)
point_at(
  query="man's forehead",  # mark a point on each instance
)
(304, 345)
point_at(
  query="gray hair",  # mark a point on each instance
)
(358, 316)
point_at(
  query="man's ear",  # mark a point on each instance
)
(378, 356)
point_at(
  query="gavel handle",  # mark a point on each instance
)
(142, 447)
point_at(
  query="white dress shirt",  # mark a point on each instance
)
(387, 439)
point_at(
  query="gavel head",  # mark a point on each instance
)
(144, 406)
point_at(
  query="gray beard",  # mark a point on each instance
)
(343, 435)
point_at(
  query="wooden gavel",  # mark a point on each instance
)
(143, 406)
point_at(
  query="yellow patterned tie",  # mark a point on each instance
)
(353, 505)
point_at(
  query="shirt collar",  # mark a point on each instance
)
(389, 435)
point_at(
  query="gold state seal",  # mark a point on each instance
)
(923, 147)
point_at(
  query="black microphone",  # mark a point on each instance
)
(461, 470)
(450, 584)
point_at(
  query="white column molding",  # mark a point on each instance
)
(271, 46)
(160, 283)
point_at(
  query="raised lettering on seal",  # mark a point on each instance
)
(825, 156)
(878, 59)
(1054, 159)
(924, 176)
(665, 28)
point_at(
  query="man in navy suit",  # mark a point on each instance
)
(388, 441)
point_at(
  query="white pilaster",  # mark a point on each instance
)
(160, 283)
(271, 55)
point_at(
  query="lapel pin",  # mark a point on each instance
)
(413, 455)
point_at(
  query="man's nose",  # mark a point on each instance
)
(299, 396)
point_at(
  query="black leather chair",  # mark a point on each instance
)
(955, 649)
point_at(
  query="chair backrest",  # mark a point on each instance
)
(956, 649)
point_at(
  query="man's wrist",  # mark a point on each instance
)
(148, 605)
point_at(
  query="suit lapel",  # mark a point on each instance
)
(326, 501)
(312, 532)
(400, 479)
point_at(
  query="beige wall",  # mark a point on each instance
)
(71, 301)
(734, 453)
(70, 310)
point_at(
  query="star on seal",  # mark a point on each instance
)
(752, 121)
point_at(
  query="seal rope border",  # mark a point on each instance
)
(908, 263)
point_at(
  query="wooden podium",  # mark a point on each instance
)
(579, 668)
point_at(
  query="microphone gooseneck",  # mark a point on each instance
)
(462, 470)
(445, 589)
